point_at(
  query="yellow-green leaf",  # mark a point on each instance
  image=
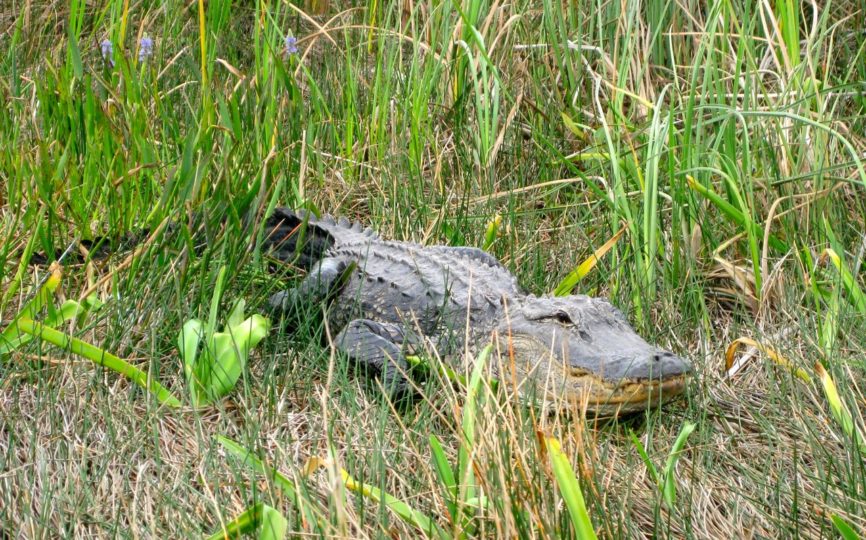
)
(570, 281)
(771, 353)
(403, 510)
(855, 294)
(101, 357)
(837, 407)
(569, 487)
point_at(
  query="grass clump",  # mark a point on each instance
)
(700, 163)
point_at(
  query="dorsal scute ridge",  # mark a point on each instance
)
(326, 219)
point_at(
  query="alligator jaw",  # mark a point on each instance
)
(634, 396)
(529, 362)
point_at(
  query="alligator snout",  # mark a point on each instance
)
(659, 365)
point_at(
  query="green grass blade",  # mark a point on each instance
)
(445, 474)
(252, 461)
(657, 137)
(733, 214)
(650, 466)
(215, 302)
(669, 490)
(12, 287)
(403, 510)
(470, 411)
(855, 294)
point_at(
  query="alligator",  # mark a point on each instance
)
(387, 300)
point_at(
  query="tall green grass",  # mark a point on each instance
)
(720, 142)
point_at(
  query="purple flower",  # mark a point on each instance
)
(145, 48)
(291, 45)
(107, 51)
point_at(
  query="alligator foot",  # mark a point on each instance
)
(377, 347)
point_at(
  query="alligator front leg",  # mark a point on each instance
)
(377, 346)
(326, 279)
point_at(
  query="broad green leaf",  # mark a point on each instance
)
(441, 367)
(830, 321)
(101, 357)
(68, 311)
(231, 350)
(237, 314)
(479, 503)
(845, 531)
(670, 490)
(91, 304)
(244, 524)
(188, 342)
(573, 127)
(261, 518)
(213, 372)
(250, 332)
(569, 487)
(252, 461)
(226, 366)
(273, 526)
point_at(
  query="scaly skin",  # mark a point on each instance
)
(387, 299)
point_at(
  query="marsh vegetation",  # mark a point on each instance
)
(715, 147)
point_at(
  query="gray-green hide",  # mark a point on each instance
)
(388, 299)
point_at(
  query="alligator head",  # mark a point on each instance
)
(583, 350)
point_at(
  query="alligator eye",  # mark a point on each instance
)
(562, 318)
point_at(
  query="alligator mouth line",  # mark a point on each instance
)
(640, 391)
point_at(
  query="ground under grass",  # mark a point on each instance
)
(723, 141)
